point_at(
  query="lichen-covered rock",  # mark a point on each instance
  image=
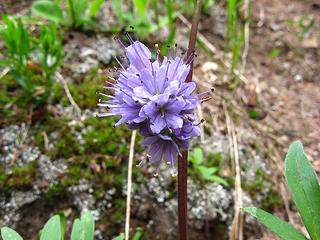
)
(14, 147)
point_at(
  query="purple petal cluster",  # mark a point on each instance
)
(153, 97)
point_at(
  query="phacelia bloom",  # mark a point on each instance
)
(153, 97)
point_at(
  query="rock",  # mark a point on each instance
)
(49, 170)
(15, 151)
(106, 49)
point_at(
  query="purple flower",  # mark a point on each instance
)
(152, 96)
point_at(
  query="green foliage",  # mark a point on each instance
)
(32, 59)
(234, 35)
(305, 190)
(49, 51)
(78, 14)
(203, 172)
(48, 9)
(120, 237)
(18, 43)
(145, 18)
(276, 225)
(138, 234)
(83, 228)
(9, 234)
(189, 5)
(54, 229)
(304, 187)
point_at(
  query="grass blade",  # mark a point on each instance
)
(276, 225)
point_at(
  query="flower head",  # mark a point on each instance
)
(153, 96)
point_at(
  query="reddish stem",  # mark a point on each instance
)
(183, 159)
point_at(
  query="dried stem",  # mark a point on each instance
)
(129, 182)
(68, 93)
(236, 232)
(183, 159)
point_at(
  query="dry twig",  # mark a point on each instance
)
(68, 93)
(129, 182)
(236, 232)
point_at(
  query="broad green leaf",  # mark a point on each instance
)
(52, 229)
(77, 232)
(95, 7)
(207, 171)
(141, 6)
(120, 237)
(88, 225)
(275, 224)
(198, 156)
(218, 179)
(138, 235)
(304, 187)
(10, 234)
(63, 224)
(48, 9)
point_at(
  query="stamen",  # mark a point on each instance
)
(205, 99)
(129, 37)
(120, 43)
(175, 50)
(101, 115)
(119, 63)
(201, 121)
(168, 51)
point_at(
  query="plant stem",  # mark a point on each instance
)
(183, 159)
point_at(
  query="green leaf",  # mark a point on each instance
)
(275, 224)
(207, 171)
(141, 6)
(197, 156)
(138, 235)
(52, 229)
(120, 237)
(304, 187)
(47, 9)
(95, 7)
(77, 232)
(63, 224)
(10, 234)
(218, 179)
(88, 225)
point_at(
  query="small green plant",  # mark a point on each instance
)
(54, 229)
(18, 43)
(78, 13)
(145, 17)
(235, 37)
(32, 60)
(49, 51)
(305, 190)
(201, 171)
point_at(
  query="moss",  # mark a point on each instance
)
(120, 205)
(261, 182)
(85, 93)
(271, 200)
(56, 191)
(66, 147)
(104, 139)
(3, 177)
(22, 176)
